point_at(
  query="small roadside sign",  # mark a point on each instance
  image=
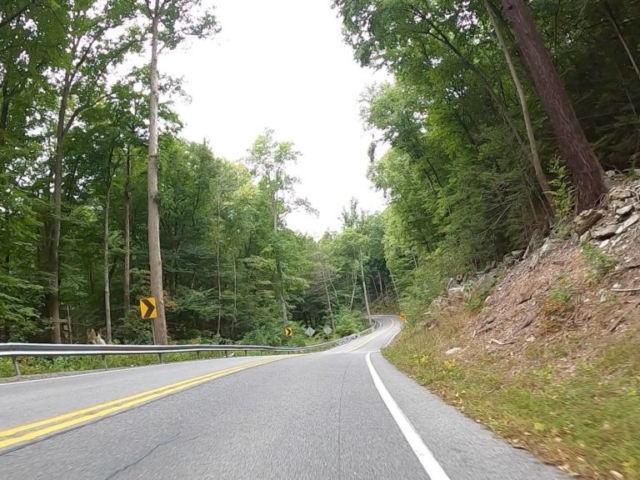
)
(327, 330)
(148, 308)
(288, 331)
(402, 317)
(309, 331)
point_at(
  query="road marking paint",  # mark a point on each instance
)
(374, 337)
(97, 411)
(422, 452)
(12, 431)
(391, 339)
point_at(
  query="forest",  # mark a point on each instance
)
(502, 119)
(77, 134)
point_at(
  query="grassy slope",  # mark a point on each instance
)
(583, 417)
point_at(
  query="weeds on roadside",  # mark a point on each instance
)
(598, 263)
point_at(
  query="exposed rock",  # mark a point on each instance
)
(622, 211)
(586, 219)
(485, 282)
(627, 224)
(604, 232)
(455, 291)
(604, 244)
(530, 338)
(509, 260)
(620, 193)
(453, 350)
(518, 254)
(546, 246)
(585, 237)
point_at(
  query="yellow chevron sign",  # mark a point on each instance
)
(148, 308)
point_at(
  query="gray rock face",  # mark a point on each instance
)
(604, 232)
(627, 224)
(485, 282)
(585, 220)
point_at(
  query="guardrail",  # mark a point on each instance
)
(16, 350)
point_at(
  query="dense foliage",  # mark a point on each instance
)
(461, 172)
(74, 147)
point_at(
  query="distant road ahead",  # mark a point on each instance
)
(341, 414)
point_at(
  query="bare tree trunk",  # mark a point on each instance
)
(218, 270)
(354, 277)
(126, 280)
(326, 291)
(107, 280)
(283, 303)
(535, 157)
(235, 297)
(155, 253)
(53, 296)
(586, 171)
(616, 28)
(364, 289)
(375, 287)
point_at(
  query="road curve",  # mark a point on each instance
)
(341, 414)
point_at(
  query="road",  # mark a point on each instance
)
(341, 414)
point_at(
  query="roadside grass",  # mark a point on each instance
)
(42, 365)
(582, 416)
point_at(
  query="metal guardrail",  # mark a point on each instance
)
(16, 350)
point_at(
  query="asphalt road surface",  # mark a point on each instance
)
(341, 414)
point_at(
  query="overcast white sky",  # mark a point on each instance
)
(282, 64)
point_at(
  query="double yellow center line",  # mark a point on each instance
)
(31, 431)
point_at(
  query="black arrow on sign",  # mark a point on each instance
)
(150, 308)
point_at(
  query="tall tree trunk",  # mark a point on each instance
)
(616, 28)
(235, 297)
(218, 271)
(4, 117)
(326, 291)
(107, 279)
(126, 279)
(354, 277)
(279, 272)
(535, 157)
(586, 171)
(283, 302)
(53, 296)
(155, 253)
(375, 287)
(364, 289)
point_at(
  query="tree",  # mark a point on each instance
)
(171, 22)
(81, 88)
(586, 171)
(269, 160)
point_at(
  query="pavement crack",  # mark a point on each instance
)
(142, 458)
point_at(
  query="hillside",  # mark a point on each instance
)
(548, 357)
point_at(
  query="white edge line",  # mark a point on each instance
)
(425, 457)
(392, 337)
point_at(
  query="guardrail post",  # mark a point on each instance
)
(198, 354)
(159, 358)
(226, 354)
(104, 362)
(16, 366)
